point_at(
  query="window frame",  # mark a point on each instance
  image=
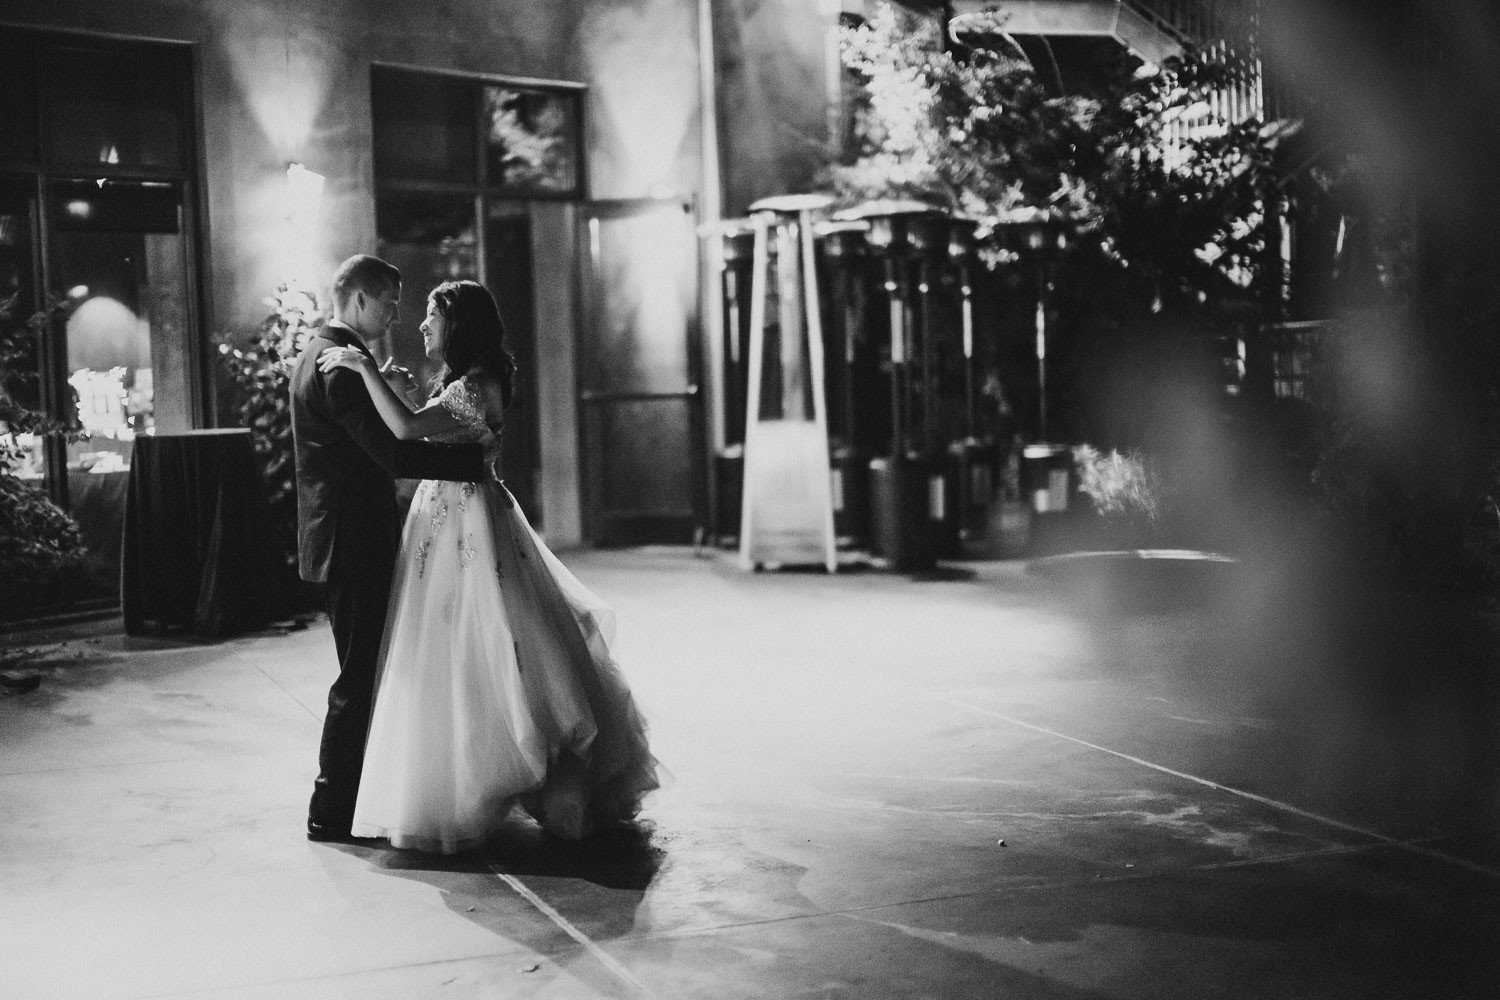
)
(482, 185)
(188, 108)
(42, 173)
(485, 198)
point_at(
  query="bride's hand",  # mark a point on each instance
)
(402, 380)
(342, 357)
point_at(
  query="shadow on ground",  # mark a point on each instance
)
(598, 884)
(1382, 704)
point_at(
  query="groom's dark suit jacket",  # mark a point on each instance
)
(348, 460)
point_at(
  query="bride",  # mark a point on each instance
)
(495, 685)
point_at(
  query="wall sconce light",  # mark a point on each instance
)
(304, 196)
(301, 243)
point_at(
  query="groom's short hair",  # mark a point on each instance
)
(364, 273)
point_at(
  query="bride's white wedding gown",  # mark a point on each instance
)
(496, 685)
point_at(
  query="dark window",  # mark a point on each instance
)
(515, 141)
(532, 142)
(424, 126)
(112, 106)
(113, 206)
(18, 83)
(432, 238)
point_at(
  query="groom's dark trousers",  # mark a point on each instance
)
(347, 538)
(356, 596)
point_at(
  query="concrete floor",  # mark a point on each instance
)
(971, 785)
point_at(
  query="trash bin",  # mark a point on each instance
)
(943, 479)
(850, 472)
(729, 470)
(902, 518)
(971, 464)
(1049, 484)
(1047, 477)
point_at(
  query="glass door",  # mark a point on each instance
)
(435, 237)
(509, 274)
(97, 163)
(120, 256)
(638, 376)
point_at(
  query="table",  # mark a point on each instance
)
(196, 551)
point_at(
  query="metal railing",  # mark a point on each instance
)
(1200, 22)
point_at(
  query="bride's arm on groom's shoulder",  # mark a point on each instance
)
(404, 423)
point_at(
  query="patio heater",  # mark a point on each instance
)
(844, 256)
(786, 514)
(929, 236)
(737, 238)
(901, 481)
(1038, 238)
(972, 459)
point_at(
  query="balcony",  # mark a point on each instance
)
(1145, 32)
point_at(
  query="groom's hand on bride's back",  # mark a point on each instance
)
(492, 448)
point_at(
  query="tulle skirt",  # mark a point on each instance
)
(496, 686)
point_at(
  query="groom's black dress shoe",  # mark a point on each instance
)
(326, 832)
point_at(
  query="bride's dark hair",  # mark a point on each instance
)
(473, 335)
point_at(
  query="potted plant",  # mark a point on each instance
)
(260, 372)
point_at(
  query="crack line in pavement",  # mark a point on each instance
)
(1251, 796)
(1070, 883)
(284, 689)
(604, 958)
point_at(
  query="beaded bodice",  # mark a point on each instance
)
(466, 403)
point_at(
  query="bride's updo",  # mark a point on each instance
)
(473, 335)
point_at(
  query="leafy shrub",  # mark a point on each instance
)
(1125, 486)
(1404, 475)
(260, 372)
(1405, 411)
(979, 132)
(39, 543)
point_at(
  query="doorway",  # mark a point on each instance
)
(98, 160)
(639, 364)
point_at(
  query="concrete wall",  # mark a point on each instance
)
(773, 95)
(289, 81)
(644, 113)
(282, 81)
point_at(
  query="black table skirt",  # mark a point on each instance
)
(195, 551)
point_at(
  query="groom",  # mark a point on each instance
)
(347, 530)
